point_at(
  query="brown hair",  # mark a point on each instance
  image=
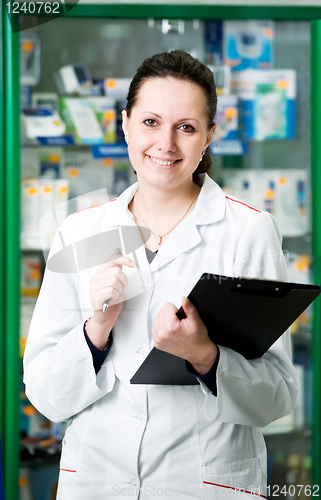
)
(183, 66)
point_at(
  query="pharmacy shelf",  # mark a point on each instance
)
(119, 149)
(11, 212)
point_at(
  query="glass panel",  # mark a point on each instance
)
(270, 174)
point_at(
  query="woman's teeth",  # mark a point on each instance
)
(161, 162)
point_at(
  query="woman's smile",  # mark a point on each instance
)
(162, 162)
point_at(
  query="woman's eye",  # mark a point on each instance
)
(150, 122)
(187, 128)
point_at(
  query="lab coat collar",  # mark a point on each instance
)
(210, 205)
(209, 208)
(117, 213)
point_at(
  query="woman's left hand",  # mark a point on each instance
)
(187, 338)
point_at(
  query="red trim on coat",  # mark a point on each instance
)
(67, 470)
(95, 206)
(248, 206)
(236, 489)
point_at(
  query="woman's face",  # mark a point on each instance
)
(167, 131)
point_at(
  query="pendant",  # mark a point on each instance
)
(159, 240)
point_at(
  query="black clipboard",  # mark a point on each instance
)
(246, 315)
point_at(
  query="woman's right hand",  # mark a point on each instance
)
(109, 282)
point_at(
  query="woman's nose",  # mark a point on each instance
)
(166, 140)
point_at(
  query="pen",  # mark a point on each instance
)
(106, 303)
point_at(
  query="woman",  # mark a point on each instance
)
(147, 441)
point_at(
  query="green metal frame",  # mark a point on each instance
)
(10, 177)
(316, 242)
(2, 252)
(144, 11)
(11, 246)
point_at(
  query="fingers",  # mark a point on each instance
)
(109, 281)
(106, 294)
(116, 260)
(114, 277)
(166, 320)
(108, 285)
(189, 309)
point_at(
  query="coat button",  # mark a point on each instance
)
(134, 482)
(140, 416)
(147, 287)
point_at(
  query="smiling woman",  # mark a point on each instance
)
(167, 135)
(197, 440)
(180, 66)
(168, 125)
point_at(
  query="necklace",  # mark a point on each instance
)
(159, 237)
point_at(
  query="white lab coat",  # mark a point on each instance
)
(150, 441)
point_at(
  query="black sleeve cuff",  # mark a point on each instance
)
(97, 354)
(208, 378)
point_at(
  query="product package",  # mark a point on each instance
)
(46, 195)
(30, 273)
(50, 165)
(248, 44)
(44, 206)
(240, 44)
(54, 209)
(41, 161)
(29, 205)
(29, 59)
(292, 202)
(213, 34)
(87, 175)
(47, 100)
(71, 79)
(105, 111)
(299, 271)
(267, 103)
(25, 489)
(226, 118)
(40, 122)
(222, 77)
(81, 120)
(117, 87)
(282, 192)
(247, 185)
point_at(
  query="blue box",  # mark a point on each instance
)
(267, 102)
(248, 44)
(240, 44)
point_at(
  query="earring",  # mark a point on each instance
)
(126, 139)
(202, 155)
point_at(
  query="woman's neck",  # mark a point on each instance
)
(164, 203)
(161, 211)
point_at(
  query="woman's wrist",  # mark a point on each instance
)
(98, 335)
(205, 363)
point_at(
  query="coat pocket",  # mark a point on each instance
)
(238, 480)
(68, 476)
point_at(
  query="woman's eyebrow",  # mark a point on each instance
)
(150, 113)
(158, 116)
